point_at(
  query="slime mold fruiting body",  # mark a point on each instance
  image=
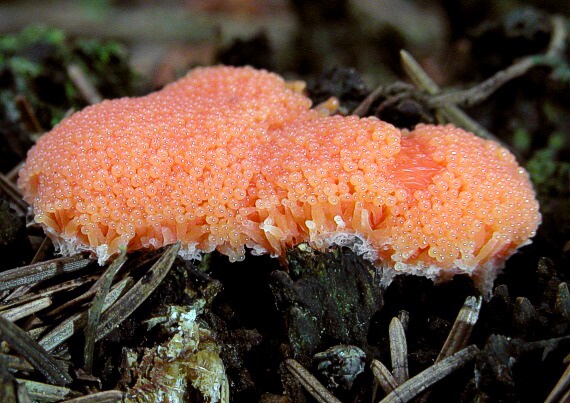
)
(233, 158)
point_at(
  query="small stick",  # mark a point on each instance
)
(310, 383)
(562, 387)
(27, 114)
(361, 109)
(56, 288)
(460, 332)
(33, 352)
(416, 385)
(462, 328)
(451, 113)
(39, 391)
(12, 175)
(41, 271)
(365, 105)
(383, 376)
(480, 92)
(108, 396)
(404, 318)
(38, 257)
(398, 351)
(557, 43)
(96, 307)
(78, 321)
(13, 193)
(131, 300)
(85, 87)
(26, 309)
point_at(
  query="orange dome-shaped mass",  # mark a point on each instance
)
(228, 158)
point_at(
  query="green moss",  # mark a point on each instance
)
(33, 64)
(550, 174)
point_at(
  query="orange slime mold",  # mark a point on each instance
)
(233, 158)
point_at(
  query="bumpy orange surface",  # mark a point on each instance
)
(229, 158)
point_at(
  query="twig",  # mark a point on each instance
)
(15, 363)
(80, 299)
(85, 87)
(27, 114)
(451, 113)
(121, 309)
(76, 322)
(33, 352)
(41, 271)
(96, 308)
(480, 92)
(562, 304)
(398, 351)
(561, 388)
(417, 75)
(557, 43)
(310, 383)
(108, 396)
(365, 105)
(383, 376)
(38, 257)
(12, 175)
(46, 393)
(460, 333)
(462, 328)
(416, 385)
(404, 318)
(42, 250)
(56, 288)
(24, 310)
(13, 193)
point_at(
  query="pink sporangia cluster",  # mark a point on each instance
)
(233, 158)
